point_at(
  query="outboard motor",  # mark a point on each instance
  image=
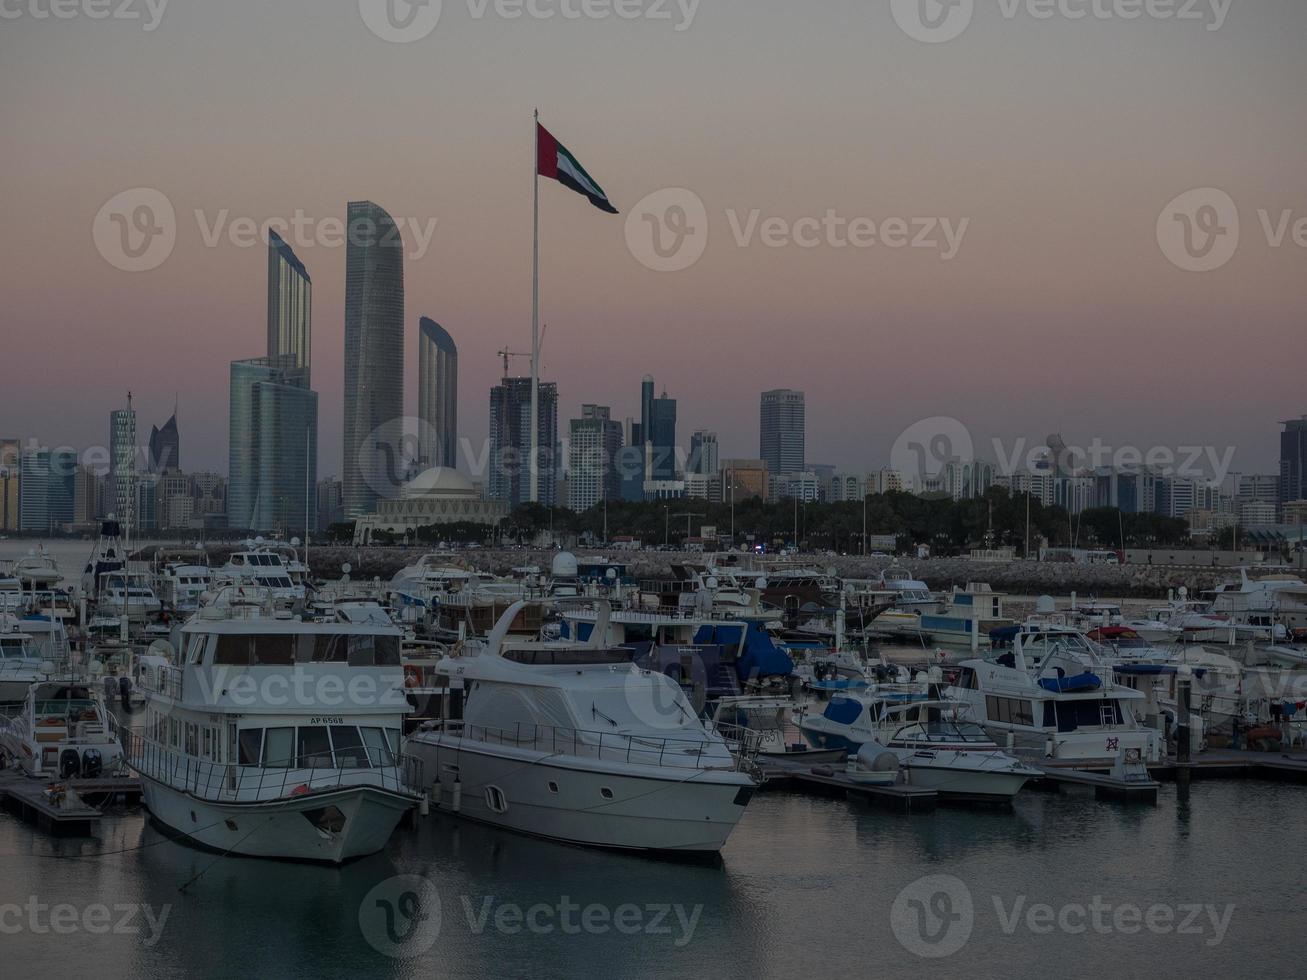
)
(70, 764)
(92, 764)
(124, 691)
(110, 686)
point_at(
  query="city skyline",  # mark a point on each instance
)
(1059, 263)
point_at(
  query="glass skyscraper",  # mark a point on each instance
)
(510, 442)
(290, 305)
(165, 447)
(781, 431)
(437, 395)
(1293, 461)
(374, 359)
(272, 446)
(122, 461)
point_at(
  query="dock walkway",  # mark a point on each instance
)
(31, 800)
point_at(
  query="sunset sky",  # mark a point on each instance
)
(1058, 141)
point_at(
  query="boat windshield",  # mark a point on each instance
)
(944, 731)
(567, 655)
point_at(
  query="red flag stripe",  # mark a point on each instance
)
(546, 153)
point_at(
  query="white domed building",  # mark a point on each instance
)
(439, 496)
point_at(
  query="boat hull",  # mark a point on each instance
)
(966, 782)
(284, 828)
(682, 810)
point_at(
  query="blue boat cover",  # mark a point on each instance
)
(1069, 685)
(842, 711)
(761, 657)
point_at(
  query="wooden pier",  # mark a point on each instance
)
(56, 813)
(833, 781)
(1105, 785)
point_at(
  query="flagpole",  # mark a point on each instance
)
(535, 308)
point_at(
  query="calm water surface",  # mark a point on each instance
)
(805, 886)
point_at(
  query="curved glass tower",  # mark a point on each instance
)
(373, 466)
(437, 395)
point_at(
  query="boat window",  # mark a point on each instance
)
(276, 650)
(312, 748)
(350, 753)
(378, 748)
(251, 741)
(362, 651)
(233, 650)
(1077, 714)
(196, 650)
(1010, 711)
(278, 748)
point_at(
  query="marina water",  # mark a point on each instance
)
(1202, 887)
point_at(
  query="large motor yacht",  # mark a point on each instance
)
(570, 740)
(1060, 703)
(276, 737)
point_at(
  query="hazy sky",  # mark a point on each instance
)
(1054, 143)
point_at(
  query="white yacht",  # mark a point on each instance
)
(61, 731)
(276, 737)
(1060, 704)
(109, 556)
(21, 665)
(569, 740)
(260, 566)
(37, 570)
(943, 749)
(1279, 599)
(127, 594)
(182, 583)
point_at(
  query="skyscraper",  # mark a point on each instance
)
(46, 488)
(781, 431)
(1293, 461)
(437, 395)
(9, 480)
(595, 444)
(122, 461)
(374, 358)
(165, 447)
(703, 453)
(510, 442)
(661, 439)
(272, 446)
(290, 305)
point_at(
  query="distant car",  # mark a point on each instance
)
(878, 554)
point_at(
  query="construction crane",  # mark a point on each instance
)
(506, 353)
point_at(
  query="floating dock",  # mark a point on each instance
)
(833, 781)
(31, 800)
(1106, 786)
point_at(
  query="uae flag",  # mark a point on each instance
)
(554, 160)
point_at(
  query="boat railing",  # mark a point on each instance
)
(306, 773)
(609, 746)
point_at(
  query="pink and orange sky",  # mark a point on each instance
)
(1060, 141)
